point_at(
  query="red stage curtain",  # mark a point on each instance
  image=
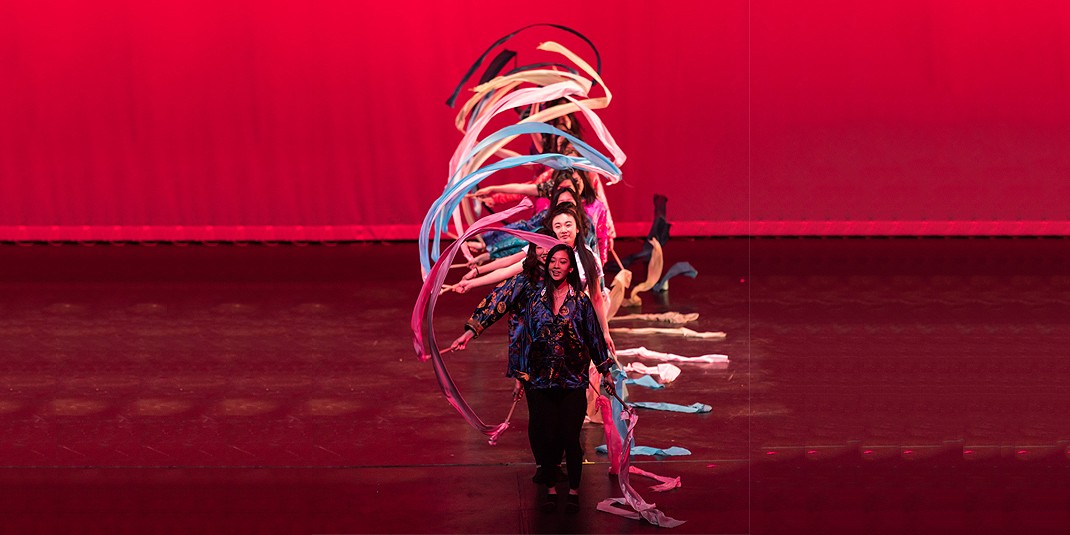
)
(325, 120)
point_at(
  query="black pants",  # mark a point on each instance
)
(555, 417)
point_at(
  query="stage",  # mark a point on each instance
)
(874, 386)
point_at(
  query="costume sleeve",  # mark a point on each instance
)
(596, 211)
(496, 304)
(591, 334)
(545, 189)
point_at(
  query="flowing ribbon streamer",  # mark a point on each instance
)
(682, 331)
(672, 451)
(499, 42)
(489, 93)
(640, 508)
(679, 268)
(667, 483)
(549, 113)
(646, 353)
(592, 160)
(646, 381)
(521, 97)
(694, 408)
(667, 372)
(423, 313)
(447, 203)
(653, 271)
(621, 282)
(675, 318)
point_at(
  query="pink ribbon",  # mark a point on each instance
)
(622, 462)
(423, 333)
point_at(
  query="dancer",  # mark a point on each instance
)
(566, 223)
(594, 208)
(505, 250)
(510, 297)
(559, 337)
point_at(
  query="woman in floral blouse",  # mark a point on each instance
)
(556, 338)
(510, 297)
(559, 337)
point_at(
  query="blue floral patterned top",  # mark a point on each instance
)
(511, 296)
(556, 348)
(546, 350)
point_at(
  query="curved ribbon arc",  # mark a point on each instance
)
(445, 205)
(592, 160)
(499, 42)
(621, 460)
(483, 102)
(608, 168)
(423, 313)
(504, 84)
(542, 77)
(520, 97)
(496, 65)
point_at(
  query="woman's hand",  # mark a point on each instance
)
(462, 341)
(608, 383)
(461, 287)
(479, 260)
(472, 273)
(518, 390)
(609, 344)
(483, 195)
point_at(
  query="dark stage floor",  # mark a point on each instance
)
(875, 386)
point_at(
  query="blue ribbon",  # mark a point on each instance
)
(437, 218)
(672, 407)
(648, 450)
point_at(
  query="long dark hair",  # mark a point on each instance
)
(588, 195)
(533, 269)
(572, 278)
(590, 266)
(558, 144)
(558, 191)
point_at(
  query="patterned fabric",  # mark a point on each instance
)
(556, 348)
(511, 296)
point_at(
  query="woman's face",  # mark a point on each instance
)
(540, 254)
(559, 266)
(564, 227)
(566, 197)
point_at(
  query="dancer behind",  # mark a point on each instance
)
(563, 337)
(558, 338)
(566, 223)
(592, 206)
(546, 144)
(507, 250)
(511, 296)
(497, 244)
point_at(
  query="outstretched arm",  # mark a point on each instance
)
(530, 190)
(493, 277)
(485, 269)
(491, 309)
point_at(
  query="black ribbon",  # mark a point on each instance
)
(472, 70)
